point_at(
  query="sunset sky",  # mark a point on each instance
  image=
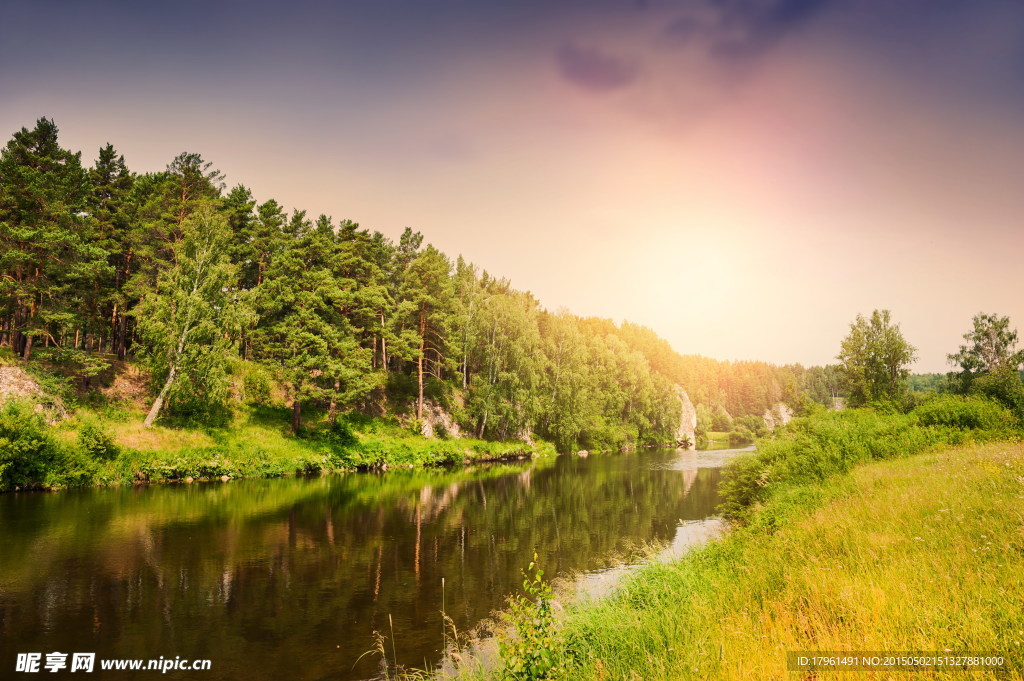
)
(743, 176)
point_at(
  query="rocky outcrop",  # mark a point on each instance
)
(17, 384)
(779, 415)
(687, 419)
(438, 422)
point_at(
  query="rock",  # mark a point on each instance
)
(190, 479)
(437, 421)
(779, 415)
(687, 420)
(16, 383)
(583, 453)
(225, 478)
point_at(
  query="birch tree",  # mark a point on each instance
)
(186, 323)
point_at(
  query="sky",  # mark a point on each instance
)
(742, 176)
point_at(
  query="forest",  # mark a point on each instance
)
(224, 299)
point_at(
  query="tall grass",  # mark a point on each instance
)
(918, 549)
(913, 554)
(824, 445)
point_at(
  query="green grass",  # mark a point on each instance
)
(923, 553)
(863, 530)
(718, 440)
(109, 445)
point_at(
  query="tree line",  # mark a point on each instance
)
(874, 362)
(214, 290)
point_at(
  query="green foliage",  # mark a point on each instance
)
(815, 448)
(720, 420)
(928, 383)
(188, 323)
(1003, 385)
(95, 441)
(27, 450)
(964, 413)
(755, 425)
(48, 259)
(336, 433)
(874, 359)
(30, 456)
(527, 647)
(257, 383)
(991, 346)
(303, 333)
(741, 436)
(705, 420)
(58, 389)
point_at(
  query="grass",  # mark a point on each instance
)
(917, 554)
(109, 445)
(864, 530)
(718, 440)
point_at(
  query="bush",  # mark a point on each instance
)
(818, 447)
(527, 647)
(720, 420)
(257, 383)
(31, 457)
(754, 424)
(96, 442)
(965, 413)
(740, 437)
(27, 451)
(336, 433)
(1004, 386)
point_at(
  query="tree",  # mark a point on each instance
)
(428, 293)
(303, 331)
(874, 358)
(47, 261)
(990, 347)
(721, 421)
(186, 323)
(111, 186)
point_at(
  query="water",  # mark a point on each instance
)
(289, 578)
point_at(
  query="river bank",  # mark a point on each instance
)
(918, 552)
(110, 446)
(291, 577)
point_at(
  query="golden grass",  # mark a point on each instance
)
(917, 554)
(134, 435)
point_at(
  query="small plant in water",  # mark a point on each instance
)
(527, 647)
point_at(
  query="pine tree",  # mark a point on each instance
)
(111, 187)
(427, 294)
(46, 257)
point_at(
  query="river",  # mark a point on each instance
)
(290, 578)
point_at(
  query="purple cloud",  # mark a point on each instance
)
(592, 69)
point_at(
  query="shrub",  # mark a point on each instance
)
(741, 436)
(336, 433)
(257, 383)
(27, 451)
(30, 456)
(1004, 386)
(720, 420)
(96, 442)
(965, 413)
(527, 648)
(754, 424)
(817, 447)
